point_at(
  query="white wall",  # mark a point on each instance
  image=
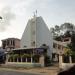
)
(42, 34)
(26, 37)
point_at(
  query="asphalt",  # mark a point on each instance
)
(15, 73)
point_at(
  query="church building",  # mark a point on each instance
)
(36, 43)
(37, 34)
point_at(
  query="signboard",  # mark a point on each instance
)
(39, 51)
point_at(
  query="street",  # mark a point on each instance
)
(14, 73)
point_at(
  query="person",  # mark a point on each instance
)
(70, 71)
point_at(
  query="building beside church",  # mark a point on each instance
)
(63, 54)
(10, 43)
(36, 44)
(58, 47)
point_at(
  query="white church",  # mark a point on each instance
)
(37, 34)
(36, 42)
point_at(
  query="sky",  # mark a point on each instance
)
(16, 13)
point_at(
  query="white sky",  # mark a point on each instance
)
(54, 12)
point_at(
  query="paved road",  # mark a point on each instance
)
(14, 73)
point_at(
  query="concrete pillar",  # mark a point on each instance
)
(41, 61)
(17, 59)
(26, 59)
(21, 59)
(70, 59)
(60, 60)
(7, 57)
(31, 59)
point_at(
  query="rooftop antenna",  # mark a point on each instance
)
(35, 13)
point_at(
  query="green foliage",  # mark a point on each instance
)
(55, 30)
(16, 55)
(73, 53)
(67, 51)
(67, 34)
(58, 38)
(25, 55)
(36, 58)
(72, 44)
(67, 26)
(63, 29)
(11, 56)
(36, 55)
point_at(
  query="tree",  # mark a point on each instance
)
(55, 31)
(68, 26)
(72, 44)
(58, 38)
(67, 51)
(57, 28)
(0, 17)
(64, 29)
(67, 34)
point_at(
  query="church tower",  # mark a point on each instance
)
(37, 34)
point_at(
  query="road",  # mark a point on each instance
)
(15, 73)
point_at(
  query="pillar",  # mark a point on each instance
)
(70, 59)
(41, 61)
(60, 60)
(9, 42)
(31, 59)
(7, 57)
(17, 59)
(26, 59)
(21, 59)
